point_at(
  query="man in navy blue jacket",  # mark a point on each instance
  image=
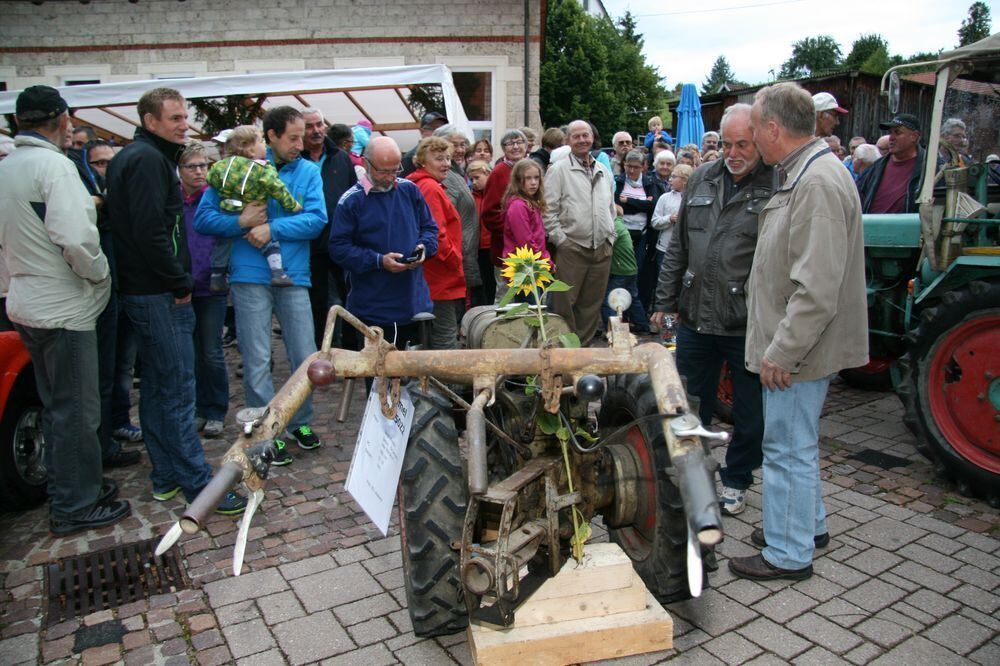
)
(379, 223)
(254, 299)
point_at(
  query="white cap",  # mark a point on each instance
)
(992, 158)
(824, 101)
(222, 136)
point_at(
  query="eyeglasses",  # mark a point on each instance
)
(633, 166)
(195, 167)
(99, 163)
(624, 143)
(395, 171)
(515, 142)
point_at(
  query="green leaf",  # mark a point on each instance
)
(580, 432)
(557, 286)
(548, 423)
(532, 321)
(570, 340)
(514, 311)
(562, 434)
(532, 387)
(507, 298)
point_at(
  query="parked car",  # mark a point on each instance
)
(23, 473)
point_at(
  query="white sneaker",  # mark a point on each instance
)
(733, 501)
(213, 428)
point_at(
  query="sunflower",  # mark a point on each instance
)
(525, 268)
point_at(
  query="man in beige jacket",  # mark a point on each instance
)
(580, 223)
(806, 320)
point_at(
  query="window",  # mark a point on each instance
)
(80, 82)
(475, 90)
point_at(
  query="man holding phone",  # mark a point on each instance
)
(382, 231)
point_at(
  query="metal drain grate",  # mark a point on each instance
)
(110, 578)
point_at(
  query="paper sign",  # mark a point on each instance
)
(378, 457)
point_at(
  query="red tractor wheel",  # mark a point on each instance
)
(951, 387)
(724, 395)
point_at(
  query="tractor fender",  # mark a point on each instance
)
(961, 272)
(14, 359)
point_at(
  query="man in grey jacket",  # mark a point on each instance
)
(806, 320)
(702, 280)
(59, 284)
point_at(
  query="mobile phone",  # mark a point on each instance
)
(418, 254)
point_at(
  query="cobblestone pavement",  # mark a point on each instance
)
(912, 574)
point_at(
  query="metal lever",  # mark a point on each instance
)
(688, 425)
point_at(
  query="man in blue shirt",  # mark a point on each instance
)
(254, 299)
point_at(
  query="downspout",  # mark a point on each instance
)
(527, 62)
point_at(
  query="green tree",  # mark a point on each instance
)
(721, 73)
(977, 25)
(810, 56)
(869, 53)
(594, 69)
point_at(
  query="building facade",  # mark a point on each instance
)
(491, 48)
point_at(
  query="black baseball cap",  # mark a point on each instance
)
(431, 117)
(907, 120)
(39, 103)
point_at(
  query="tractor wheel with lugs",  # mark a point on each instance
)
(647, 517)
(432, 500)
(951, 387)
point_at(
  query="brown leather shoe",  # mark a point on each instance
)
(757, 568)
(757, 537)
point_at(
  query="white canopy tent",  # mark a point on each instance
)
(380, 94)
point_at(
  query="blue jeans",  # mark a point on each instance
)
(636, 314)
(125, 354)
(211, 378)
(255, 305)
(699, 359)
(107, 335)
(793, 499)
(66, 376)
(165, 334)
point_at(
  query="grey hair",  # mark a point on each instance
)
(665, 156)
(309, 110)
(512, 134)
(866, 153)
(191, 148)
(449, 130)
(790, 106)
(950, 124)
(710, 133)
(635, 155)
(731, 112)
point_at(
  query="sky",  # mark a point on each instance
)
(756, 36)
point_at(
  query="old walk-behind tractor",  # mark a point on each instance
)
(934, 281)
(486, 514)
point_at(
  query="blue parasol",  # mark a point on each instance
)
(690, 126)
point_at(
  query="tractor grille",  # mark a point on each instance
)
(110, 578)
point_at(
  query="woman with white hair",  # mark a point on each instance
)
(663, 164)
(864, 156)
(457, 188)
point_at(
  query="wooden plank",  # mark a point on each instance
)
(575, 641)
(582, 606)
(605, 567)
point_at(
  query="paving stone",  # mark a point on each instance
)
(374, 630)
(200, 623)
(207, 639)
(216, 656)
(19, 649)
(970, 595)
(863, 654)
(392, 560)
(919, 650)
(917, 615)
(335, 587)
(774, 638)
(928, 578)
(819, 588)
(383, 546)
(838, 573)
(307, 566)
(884, 632)
(823, 632)
(843, 613)
(935, 526)
(959, 634)
(391, 579)
(690, 640)
(373, 655)
(744, 591)
(980, 541)
(766, 660)
(873, 561)
(732, 648)
(930, 558)
(424, 653)
(901, 583)
(976, 558)
(818, 657)
(784, 605)
(991, 622)
(713, 612)
(313, 637)
(280, 607)
(856, 515)
(887, 533)
(852, 498)
(988, 655)
(698, 656)
(874, 595)
(977, 577)
(272, 657)
(234, 589)
(237, 613)
(248, 638)
(352, 613)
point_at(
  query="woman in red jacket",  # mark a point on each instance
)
(514, 149)
(443, 271)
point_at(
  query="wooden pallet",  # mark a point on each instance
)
(598, 610)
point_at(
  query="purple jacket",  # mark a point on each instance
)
(199, 246)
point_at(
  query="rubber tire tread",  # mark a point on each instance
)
(664, 570)
(867, 381)
(433, 496)
(15, 493)
(934, 323)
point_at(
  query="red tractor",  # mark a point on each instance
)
(23, 473)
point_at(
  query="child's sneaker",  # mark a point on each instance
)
(306, 438)
(281, 455)
(732, 500)
(218, 283)
(279, 278)
(166, 495)
(128, 433)
(232, 504)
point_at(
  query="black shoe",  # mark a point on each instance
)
(757, 537)
(108, 492)
(757, 568)
(101, 515)
(122, 459)
(228, 340)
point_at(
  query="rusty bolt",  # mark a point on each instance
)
(320, 372)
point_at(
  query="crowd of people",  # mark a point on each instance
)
(748, 246)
